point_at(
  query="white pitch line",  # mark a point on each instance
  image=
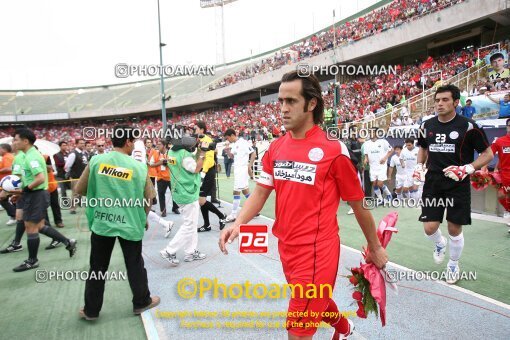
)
(149, 325)
(460, 289)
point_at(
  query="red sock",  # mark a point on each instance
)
(505, 202)
(339, 323)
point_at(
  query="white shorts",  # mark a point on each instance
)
(241, 178)
(409, 181)
(400, 181)
(379, 173)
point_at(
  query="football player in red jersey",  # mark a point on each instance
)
(501, 147)
(310, 173)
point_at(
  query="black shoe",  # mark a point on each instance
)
(176, 211)
(12, 248)
(222, 224)
(72, 212)
(204, 228)
(54, 244)
(28, 264)
(163, 213)
(71, 247)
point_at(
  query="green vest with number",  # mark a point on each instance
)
(119, 179)
(185, 185)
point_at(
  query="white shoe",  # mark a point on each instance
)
(506, 214)
(196, 255)
(350, 212)
(230, 218)
(11, 222)
(340, 336)
(172, 258)
(439, 252)
(452, 272)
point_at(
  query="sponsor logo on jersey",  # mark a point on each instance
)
(446, 148)
(506, 149)
(295, 171)
(454, 135)
(115, 172)
(315, 154)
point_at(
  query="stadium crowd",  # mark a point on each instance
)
(393, 15)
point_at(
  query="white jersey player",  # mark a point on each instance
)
(377, 151)
(409, 156)
(400, 177)
(244, 156)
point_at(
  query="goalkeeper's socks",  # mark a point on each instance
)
(456, 246)
(437, 238)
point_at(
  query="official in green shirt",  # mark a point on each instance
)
(185, 184)
(119, 195)
(30, 164)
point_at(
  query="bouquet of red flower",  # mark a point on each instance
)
(480, 180)
(368, 280)
(364, 299)
(495, 179)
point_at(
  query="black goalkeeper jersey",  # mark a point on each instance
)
(451, 143)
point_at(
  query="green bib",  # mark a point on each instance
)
(115, 196)
(184, 184)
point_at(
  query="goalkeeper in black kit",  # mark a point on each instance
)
(447, 143)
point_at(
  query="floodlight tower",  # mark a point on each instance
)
(220, 26)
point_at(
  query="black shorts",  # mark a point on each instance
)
(447, 194)
(36, 203)
(208, 182)
(20, 203)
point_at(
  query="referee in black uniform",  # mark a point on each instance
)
(447, 143)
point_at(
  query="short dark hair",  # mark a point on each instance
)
(397, 147)
(496, 55)
(88, 142)
(62, 142)
(121, 134)
(469, 100)
(230, 132)
(163, 141)
(201, 125)
(409, 140)
(310, 88)
(6, 147)
(454, 90)
(77, 140)
(25, 133)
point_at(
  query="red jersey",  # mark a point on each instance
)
(309, 176)
(501, 146)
